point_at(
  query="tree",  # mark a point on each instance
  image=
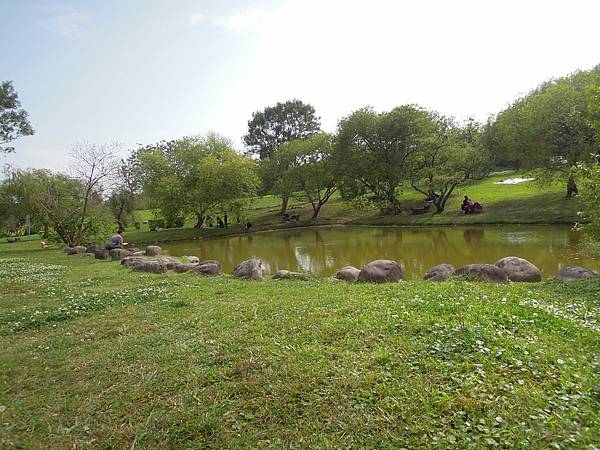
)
(448, 156)
(197, 175)
(274, 125)
(310, 167)
(127, 187)
(96, 167)
(589, 173)
(549, 130)
(13, 119)
(374, 150)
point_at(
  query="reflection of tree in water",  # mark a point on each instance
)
(473, 236)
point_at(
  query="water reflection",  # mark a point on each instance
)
(322, 251)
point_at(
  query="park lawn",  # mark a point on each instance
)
(94, 355)
(526, 203)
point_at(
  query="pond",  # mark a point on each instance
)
(323, 251)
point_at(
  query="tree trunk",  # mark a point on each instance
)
(571, 186)
(316, 209)
(199, 220)
(284, 203)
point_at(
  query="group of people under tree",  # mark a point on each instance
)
(468, 206)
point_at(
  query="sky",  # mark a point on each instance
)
(140, 71)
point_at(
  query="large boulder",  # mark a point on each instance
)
(117, 254)
(77, 250)
(575, 273)
(150, 265)
(169, 261)
(102, 254)
(192, 259)
(482, 272)
(153, 250)
(519, 269)
(131, 261)
(251, 269)
(348, 273)
(92, 249)
(381, 271)
(209, 267)
(182, 268)
(441, 272)
(280, 274)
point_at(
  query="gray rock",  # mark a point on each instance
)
(153, 250)
(348, 273)
(209, 267)
(130, 261)
(138, 253)
(102, 254)
(77, 250)
(441, 272)
(381, 271)
(133, 249)
(251, 269)
(290, 275)
(575, 273)
(482, 272)
(192, 259)
(169, 261)
(117, 254)
(92, 249)
(181, 268)
(519, 269)
(151, 265)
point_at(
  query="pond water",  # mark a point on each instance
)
(323, 251)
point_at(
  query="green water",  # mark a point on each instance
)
(322, 251)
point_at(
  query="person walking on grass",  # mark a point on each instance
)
(116, 241)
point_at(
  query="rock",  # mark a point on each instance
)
(290, 275)
(153, 250)
(348, 273)
(133, 249)
(209, 267)
(574, 273)
(381, 271)
(138, 253)
(66, 249)
(131, 261)
(102, 254)
(150, 265)
(519, 269)
(169, 261)
(77, 250)
(181, 268)
(118, 254)
(482, 272)
(251, 269)
(92, 249)
(441, 272)
(192, 259)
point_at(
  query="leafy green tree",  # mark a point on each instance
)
(589, 174)
(374, 151)
(283, 122)
(197, 175)
(310, 167)
(13, 119)
(549, 130)
(448, 156)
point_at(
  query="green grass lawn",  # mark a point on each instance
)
(527, 203)
(94, 355)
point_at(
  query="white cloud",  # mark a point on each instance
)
(70, 24)
(251, 20)
(195, 19)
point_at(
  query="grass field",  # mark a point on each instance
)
(526, 203)
(94, 355)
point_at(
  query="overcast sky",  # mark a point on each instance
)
(142, 71)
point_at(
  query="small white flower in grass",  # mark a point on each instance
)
(498, 419)
(560, 361)
(521, 382)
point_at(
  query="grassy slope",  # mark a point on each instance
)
(95, 355)
(521, 203)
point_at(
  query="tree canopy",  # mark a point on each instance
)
(14, 122)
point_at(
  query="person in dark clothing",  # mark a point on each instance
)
(464, 203)
(226, 220)
(116, 241)
(248, 225)
(220, 222)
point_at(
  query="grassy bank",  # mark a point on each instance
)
(93, 355)
(525, 203)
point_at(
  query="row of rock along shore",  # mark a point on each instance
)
(511, 268)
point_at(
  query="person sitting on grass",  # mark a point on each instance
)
(116, 241)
